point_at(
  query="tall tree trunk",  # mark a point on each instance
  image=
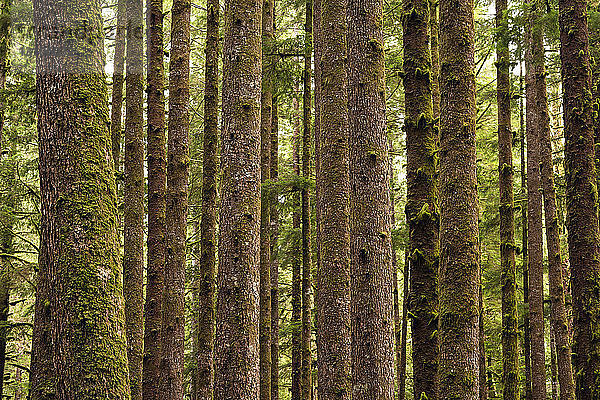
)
(510, 350)
(422, 212)
(553, 366)
(116, 125)
(208, 225)
(434, 43)
(582, 195)
(306, 209)
(404, 332)
(333, 186)
(534, 60)
(484, 372)
(275, 256)
(371, 283)
(237, 356)
(79, 345)
(133, 236)
(156, 200)
(459, 260)
(173, 334)
(265, 223)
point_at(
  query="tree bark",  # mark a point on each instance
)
(485, 378)
(116, 125)
(275, 256)
(79, 344)
(553, 366)
(133, 232)
(371, 283)
(208, 225)
(404, 332)
(333, 296)
(582, 195)
(459, 260)
(434, 43)
(237, 344)
(422, 212)
(510, 351)
(156, 200)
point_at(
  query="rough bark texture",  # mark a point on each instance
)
(484, 384)
(459, 262)
(422, 212)
(404, 332)
(553, 367)
(172, 334)
(306, 209)
(133, 192)
(434, 43)
(116, 125)
(156, 200)
(275, 257)
(582, 195)
(371, 283)
(333, 188)
(237, 359)
(534, 60)
(79, 344)
(510, 350)
(208, 224)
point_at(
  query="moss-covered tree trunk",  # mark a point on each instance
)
(434, 43)
(156, 199)
(484, 384)
(306, 208)
(404, 332)
(208, 224)
(534, 60)
(333, 188)
(237, 344)
(459, 261)
(79, 344)
(582, 195)
(275, 255)
(133, 192)
(116, 125)
(422, 211)
(371, 284)
(173, 328)
(510, 350)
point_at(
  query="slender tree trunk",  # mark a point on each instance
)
(553, 366)
(172, 334)
(459, 260)
(485, 385)
(156, 200)
(371, 281)
(275, 256)
(582, 218)
(208, 228)
(534, 60)
(404, 333)
(237, 344)
(422, 211)
(116, 125)
(434, 43)
(133, 251)
(333, 296)
(79, 345)
(510, 350)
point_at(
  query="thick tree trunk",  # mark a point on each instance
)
(582, 195)
(371, 283)
(510, 350)
(275, 256)
(459, 260)
(116, 125)
(156, 200)
(422, 210)
(208, 225)
(133, 233)
(534, 60)
(237, 344)
(173, 334)
(333, 188)
(79, 345)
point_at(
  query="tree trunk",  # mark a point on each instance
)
(116, 125)
(208, 228)
(510, 351)
(422, 212)
(79, 345)
(459, 261)
(485, 377)
(333, 186)
(173, 334)
(133, 232)
(582, 195)
(553, 366)
(534, 60)
(434, 42)
(370, 223)
(156, 200)
(404, 333)
(275, 256)
(237, 344)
